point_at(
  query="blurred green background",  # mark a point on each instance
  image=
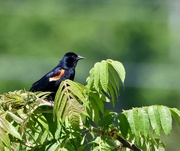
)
(142, 34)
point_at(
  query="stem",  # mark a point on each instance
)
(124, 142)
(114, 134)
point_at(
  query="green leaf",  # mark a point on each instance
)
(155, 119)
(78, 90)
(57, 101)
(72, 93)
(133, 119)
(4, 137)
(73, 112)
(42, 95)
(176, 115)
(96, 105)
(108, 119)
(22, 115)
(96, 76)
(104, 74)
(90, 79)
(157, 144)
(114, 79)
(176, 111)
(144, 124)
(58, 130)
(2, 147)
(44, 136)
(98, 102)
(111, 93)
(94, 112)
(60, 109)
(119, 68)
(15, 117)
(166, 119)
(4, 124)
(124, 125)
(105, 77)
(71, 102)
(60, 102)
(42, 120)
(53, 147)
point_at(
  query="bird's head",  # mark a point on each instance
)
(70, 59)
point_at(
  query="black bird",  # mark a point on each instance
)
(64, 70)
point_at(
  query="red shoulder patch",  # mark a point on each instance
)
(58, 76)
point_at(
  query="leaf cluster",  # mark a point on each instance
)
(78, 120)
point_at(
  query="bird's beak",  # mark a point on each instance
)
(80, 57)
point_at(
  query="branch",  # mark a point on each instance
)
(124, 142)
(114, 134)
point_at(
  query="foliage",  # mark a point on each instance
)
(78, 120)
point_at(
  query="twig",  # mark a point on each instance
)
(124, 142)
(113, 133)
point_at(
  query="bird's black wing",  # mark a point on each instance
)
(48, 80)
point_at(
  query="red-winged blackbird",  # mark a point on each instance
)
(64, 70)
